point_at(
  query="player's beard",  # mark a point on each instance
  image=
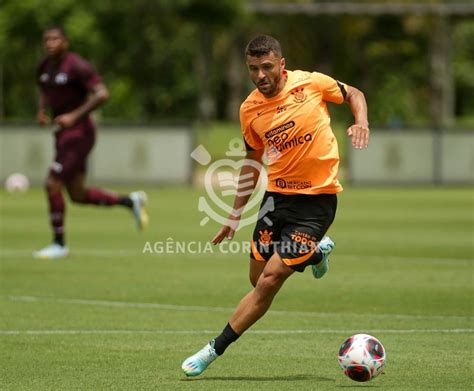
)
(270, 89)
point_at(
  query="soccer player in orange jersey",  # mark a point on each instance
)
(286, 119)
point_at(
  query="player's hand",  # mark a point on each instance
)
(67, 120)
(227, 230)
(42, 118)
(360, 136)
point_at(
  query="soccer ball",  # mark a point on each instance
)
(17, 183)
(362, 357)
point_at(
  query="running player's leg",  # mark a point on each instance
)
(256, 303)
(266, 230)
(76, 168)
(250, 309)
(266, 273)
(303, 246)
(79, 193)
(255, 270)
(57, 208)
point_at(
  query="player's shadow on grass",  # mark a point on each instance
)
(262, 378)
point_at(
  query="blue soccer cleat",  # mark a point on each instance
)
(326, 245)
(140, 200)
(197, 363)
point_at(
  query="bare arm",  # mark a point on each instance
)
(42, 116)
(360, 130)
(247, 173)
(98, 96)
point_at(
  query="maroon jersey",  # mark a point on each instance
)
(65, 85)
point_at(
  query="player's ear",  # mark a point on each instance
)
(282, 63)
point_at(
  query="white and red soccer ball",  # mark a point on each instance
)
(362, 357)
(17, 183)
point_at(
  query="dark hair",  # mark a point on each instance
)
(56, 27)
(262, 45)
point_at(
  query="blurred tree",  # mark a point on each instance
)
(213, 21)
(183, 59)
(463, 63)
(401, 61)
(441, 73)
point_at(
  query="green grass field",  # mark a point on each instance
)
(111, 317)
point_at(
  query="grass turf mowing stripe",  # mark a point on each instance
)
(322, 331)
(16, 253)
(177, 307)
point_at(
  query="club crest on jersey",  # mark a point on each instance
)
(61, 78)
(265, 237)
(299, 96)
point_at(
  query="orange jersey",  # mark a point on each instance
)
(294, 128)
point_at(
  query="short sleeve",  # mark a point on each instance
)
(332, 90)
(87, 75)
(251, 139)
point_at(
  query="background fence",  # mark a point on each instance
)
(414, 157)
(161, 155)
(122, 155)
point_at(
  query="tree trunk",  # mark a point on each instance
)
(206, 102)
(441, 75)
(235, 80)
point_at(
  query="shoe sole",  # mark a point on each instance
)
(37, 256)
(141, 215)
(143, 218)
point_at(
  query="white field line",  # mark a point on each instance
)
(265, 332)
(16, 253)
(194, 308)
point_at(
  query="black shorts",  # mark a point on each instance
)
(292, 226)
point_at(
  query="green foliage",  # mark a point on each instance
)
(144, 49)
(148, 53)
(463, 38)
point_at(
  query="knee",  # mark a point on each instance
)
(52, 186)
(255, 271)
(253, 280)
(254, 276)
(267, 283)
(77, 197)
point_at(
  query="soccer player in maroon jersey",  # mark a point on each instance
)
(69, 90)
